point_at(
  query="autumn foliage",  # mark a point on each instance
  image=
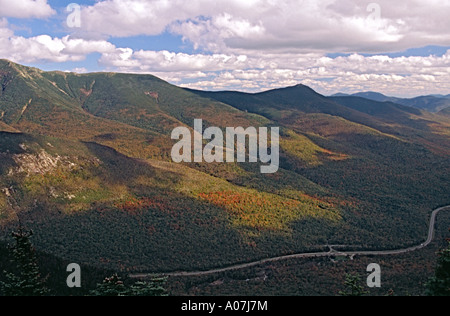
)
(262, 211)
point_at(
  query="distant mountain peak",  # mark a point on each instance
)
(340, 94)
(431, 103)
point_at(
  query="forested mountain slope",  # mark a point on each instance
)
(85, 162)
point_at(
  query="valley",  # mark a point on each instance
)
(85, 162)
(331, 253)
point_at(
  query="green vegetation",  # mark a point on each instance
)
(85, 163)
(303, 149)
(353, 286)
(401, 275)
(439, 285)
(115, 286)
(26, 279)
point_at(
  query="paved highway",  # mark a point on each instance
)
(331, 253)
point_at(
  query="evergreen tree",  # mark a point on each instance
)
(439, 285)
(26, 279)
(115, 286)
(353, 287)
(153, 288)
(112, 286)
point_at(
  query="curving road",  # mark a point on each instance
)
(331, 253)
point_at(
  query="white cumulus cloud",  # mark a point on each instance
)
(44, 48)
(405, 76)
(288, 25)
(254, 45)
(25, 9)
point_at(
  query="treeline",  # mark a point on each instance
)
(53, 271)
(26, 272)
(416, 274)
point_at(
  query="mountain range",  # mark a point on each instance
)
(431, 103)
(85, 163)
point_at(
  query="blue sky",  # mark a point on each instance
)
(400, 48)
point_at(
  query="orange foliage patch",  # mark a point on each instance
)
(256, 211)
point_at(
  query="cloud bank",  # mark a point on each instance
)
(25, 9)
(253, 45)
(288, 25)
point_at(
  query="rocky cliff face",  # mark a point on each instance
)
(36, 176)
(40, 163)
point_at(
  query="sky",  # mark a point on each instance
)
(399, 48)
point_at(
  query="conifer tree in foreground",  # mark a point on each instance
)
(439, 285)
(115, 286)
(26, 279)
(353, 286)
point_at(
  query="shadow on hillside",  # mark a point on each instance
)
(121, 169)
(10, 144)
